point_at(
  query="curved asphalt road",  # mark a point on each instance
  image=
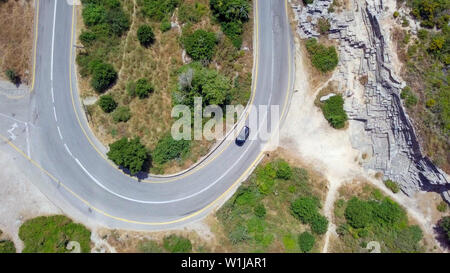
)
(64, 149)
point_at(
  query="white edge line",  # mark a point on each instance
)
(53, 41)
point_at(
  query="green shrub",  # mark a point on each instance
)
(198, 81)
(168, 148)
(231, 10)
(234, 30)
(396, 14)
(7, 246)
(389, 213)
(305, 208)
(130, 154)
(430, 103)
(177, 244)
(121, 114)
(323, 25)
(284, 171)
(306, 241)
(231, 15)
(149, 246)
(308, 2)
(87, 37)
(408, 238)
(358, 213)
(191, 12)
(131, 88)
(238, 234)
(93, 14)
(145, 35)
(333, 110)
(103, 76)
(265, 178)
(323, 58)
(12, 76)
(118, 21)
(51, 234)
(166, 25)
(405, 21)
(260, 211)
(289, 242)
(255, 225)
(200, 45)
(422, 34)
(444, 224)
(107, 103)
(393, 186)
(409, 97)
(430, 12)
(246, 197)
(264, 239)
(158, 9)
(319, 224)
(143, 88)
(442, 206)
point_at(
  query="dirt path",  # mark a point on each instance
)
(307, 133)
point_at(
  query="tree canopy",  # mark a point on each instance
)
(145, 35)
(200, 45)
(130, 154)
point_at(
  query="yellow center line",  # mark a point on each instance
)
(68, 189)
(197, 168)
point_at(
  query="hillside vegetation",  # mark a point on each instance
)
(51, 234)
(278, 209)
(426, 57)
(366, 215)
(138, 54)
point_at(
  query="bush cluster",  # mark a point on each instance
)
(145, 35)
(51, 234)
(191, 12)
(107, 103)
(177, 244)
(323, 58)
(12, 76)
(157, 10)
(141, 88)
(444, 224)
(306, 241)
(231, 14)
(431, 13)
(168, 148)
(381, 219)
(200, 45)
(121, 114)
(129, 154)
(106, 21)
(266, 176)
(307, 210)
(333, 111)
(409, 97)
(197, 81)
(392, 185)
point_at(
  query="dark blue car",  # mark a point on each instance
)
(243, 135)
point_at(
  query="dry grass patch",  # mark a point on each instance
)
(16, 38)
(151, 117)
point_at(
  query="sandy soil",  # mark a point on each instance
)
(20, 200)
(307, 133)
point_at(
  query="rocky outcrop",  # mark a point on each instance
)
(389, 137)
